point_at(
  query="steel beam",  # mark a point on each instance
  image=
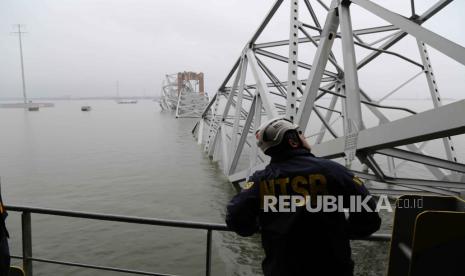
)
(222, 86)
(232, 92)
(274, 80)
(230, 74)
(264, 23)
(256, 124)
(224, 150)
(383, 119)
(423, 126)
(325, 123)
(435, 95)
(212, 128)
(291, 107)
(433, 186)
(396, 38)
(299, 63)
(327, 119)
(423, 159)
(352, 89)
(372, 30)
(332, 58)
(245, 131)
(240, 94)
(200, 131)
(261, 86)
(312, 14)
(319, 63)
(447, 47)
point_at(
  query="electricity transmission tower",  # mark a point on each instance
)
(23, 79)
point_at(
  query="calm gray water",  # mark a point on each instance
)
(126, 160)
(120, 159)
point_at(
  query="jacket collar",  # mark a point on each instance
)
(283, 156)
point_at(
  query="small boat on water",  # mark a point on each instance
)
(127, 101)
(120, 100)
(33, 108)
(85, 108)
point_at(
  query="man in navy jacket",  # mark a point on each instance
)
(298, 241)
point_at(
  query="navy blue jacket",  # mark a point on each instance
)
(4, 250)
(302, 242)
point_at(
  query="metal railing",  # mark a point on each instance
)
(28, 259)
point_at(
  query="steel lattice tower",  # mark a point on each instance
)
(323, 91)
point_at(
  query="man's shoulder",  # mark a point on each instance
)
(320, 162)
(257, 175)
(300, 165)
(328, 166)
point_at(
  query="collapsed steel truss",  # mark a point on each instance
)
(330, 105)
(179, 93)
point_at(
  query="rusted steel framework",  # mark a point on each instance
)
(185, 77)
(184, 92)
(337, 82)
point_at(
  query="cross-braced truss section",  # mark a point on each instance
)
(337, 82)
(184, 93)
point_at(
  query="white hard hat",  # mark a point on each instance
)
(271, 133)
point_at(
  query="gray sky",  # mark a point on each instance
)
(81, 47)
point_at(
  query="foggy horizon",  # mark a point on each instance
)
(81, 48)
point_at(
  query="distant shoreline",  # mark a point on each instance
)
(78, 98)
(157, 97)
